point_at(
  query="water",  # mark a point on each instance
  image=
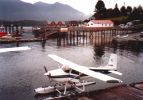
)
(21, 72)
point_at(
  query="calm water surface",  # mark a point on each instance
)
(22, 72)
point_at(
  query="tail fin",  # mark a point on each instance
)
(113, 61)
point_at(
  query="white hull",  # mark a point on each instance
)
(50, 89)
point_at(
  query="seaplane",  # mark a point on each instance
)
(2, 50)
(72, 76)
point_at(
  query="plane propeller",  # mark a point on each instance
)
(47, 73)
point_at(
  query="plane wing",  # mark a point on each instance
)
(85, 70)
(14, 49)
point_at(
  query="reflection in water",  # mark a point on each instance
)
(43, 44)
(134, 47)
(98, 52)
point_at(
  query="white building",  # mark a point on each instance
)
(100, 23)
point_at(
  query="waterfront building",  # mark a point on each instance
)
(100, 23)
(56, 24)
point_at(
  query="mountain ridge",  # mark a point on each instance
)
(19, 10)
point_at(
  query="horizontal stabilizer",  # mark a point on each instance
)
(114, 81)
(116, 72)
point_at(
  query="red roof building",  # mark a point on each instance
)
(60, 23)
(56, 24)
(72, 23)
(53, 23)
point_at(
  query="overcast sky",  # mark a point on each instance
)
(87, 6)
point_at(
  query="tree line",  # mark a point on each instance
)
(23, 23)
(128, 13)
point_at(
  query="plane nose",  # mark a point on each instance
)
(47, 74)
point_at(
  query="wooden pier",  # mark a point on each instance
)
(78, 35)
(48, 31)
(18, 40)
(73, 35)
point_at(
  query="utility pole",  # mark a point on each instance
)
(124, 4)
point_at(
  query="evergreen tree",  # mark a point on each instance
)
(123, 11)
(110, 13)
(99, 6)
(134, 14)
(100, 10)
(140, 12)
(116, 11)
(137, 13)
(129, 10)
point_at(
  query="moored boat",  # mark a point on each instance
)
(2, 33)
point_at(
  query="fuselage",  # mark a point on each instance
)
(70, 72)
(71, 76)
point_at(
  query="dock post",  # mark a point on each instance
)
(58, 40)
(12, 28)
(74, 38)
(77, 37)
(6, 29)
(83, 36)
(98, 34)
(86, 36)
(64, 38)
(70, 38)
(9, 29)
(21, 29)
(67, 38)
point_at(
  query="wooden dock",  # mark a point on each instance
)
(48, 31)
(15, 40)
(122, 92)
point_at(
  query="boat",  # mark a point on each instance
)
(2, 33)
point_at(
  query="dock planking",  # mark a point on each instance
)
(121, 92)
